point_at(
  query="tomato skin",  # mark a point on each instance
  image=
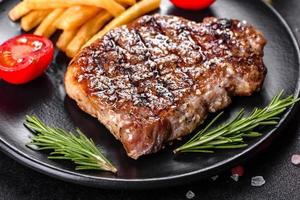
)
(33, 63)
(28, 73)
(192, 4)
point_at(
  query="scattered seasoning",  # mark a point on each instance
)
(214, 177)
(295, 159)
(238, 170)
(257, 181)
(151, 81)
(190, 194)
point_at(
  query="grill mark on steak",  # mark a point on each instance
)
(162, 89)
(187, 75)
(172, 61)
(156, 79)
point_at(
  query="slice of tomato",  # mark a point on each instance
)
(192, 4)
(24, 58)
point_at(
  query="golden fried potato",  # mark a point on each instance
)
(33, 19)
(47, 27)
(86, 32)
(129, 15)
(65, 38)
(75, 16)
(18, 11)
(127, 2)
(110, 5)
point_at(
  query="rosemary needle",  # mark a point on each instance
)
(79, 149)
(231, 135)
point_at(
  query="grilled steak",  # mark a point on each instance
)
(157, 78)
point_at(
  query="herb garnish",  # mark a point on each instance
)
(231, 135)
(81, 150)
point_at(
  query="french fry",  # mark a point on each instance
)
(47, 27)
(110, 5)
(86, 32)
(75, 16)
(65, 38)
(33, 19)
(127, 2)
(129, 15)
(18, 11)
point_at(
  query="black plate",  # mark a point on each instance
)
(45, 97)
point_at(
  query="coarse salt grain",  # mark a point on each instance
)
(235, 177)
(239, 170)
(257, 181)
(214, 177)
(190, 194)
(295, 159)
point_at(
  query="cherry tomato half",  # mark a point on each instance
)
(24, 58)
(192, 4)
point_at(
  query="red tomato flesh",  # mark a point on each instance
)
(24, 58)
(192, 4)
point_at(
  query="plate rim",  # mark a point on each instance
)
(159, 182)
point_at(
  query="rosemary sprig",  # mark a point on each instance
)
(231, 135)
(81, 150)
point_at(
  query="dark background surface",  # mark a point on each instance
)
(282, 178)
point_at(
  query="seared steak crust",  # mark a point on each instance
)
(155, 80)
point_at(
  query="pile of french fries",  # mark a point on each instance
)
(81, 21)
